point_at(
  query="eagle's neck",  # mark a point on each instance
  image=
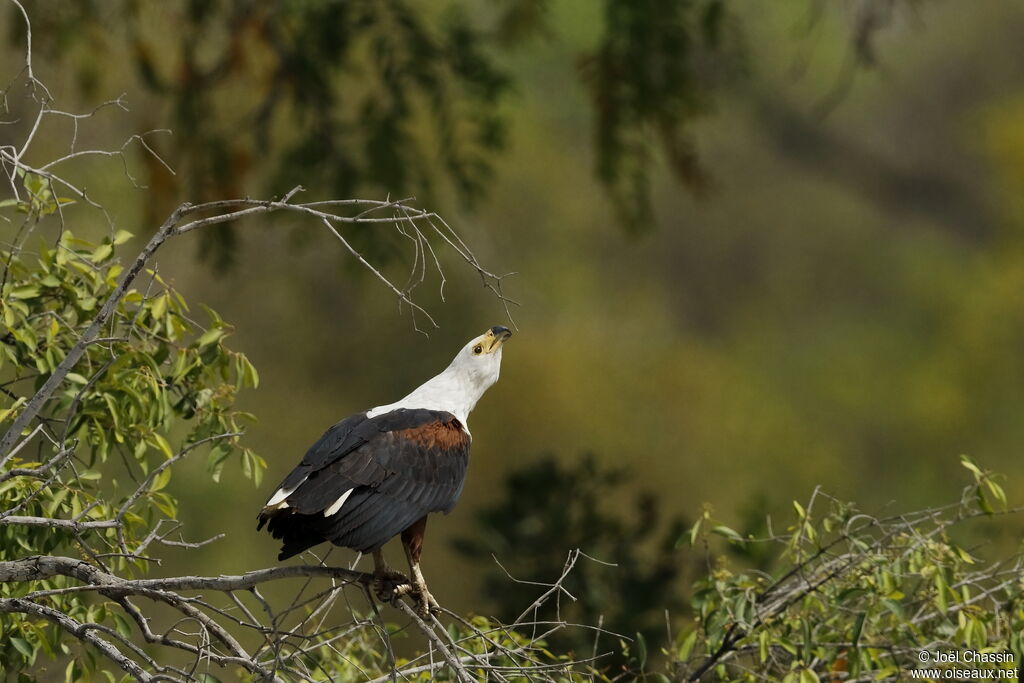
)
(450, 391)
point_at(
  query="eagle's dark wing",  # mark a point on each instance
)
(368, 479)
(337, 442)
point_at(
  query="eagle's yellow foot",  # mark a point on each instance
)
(389, 585)
(425, 602)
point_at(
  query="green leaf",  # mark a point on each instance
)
(808, 640)
(246, 465)
(686, 647)
(983, 503)
(5, 413)
(940, 591)
(121, 625)
(641, 649)
(259, 465)
(161, 480)
(997, 492)
(25, 292)
(56, 499)
(963, 554)
(159, 307)
(160, 442)
(895, 607)
(694, 532)
(808, 676)
(725, 531)
(122, 236)
(215, 461)
(34, 183)
(965, 461)
(165, 504)
(23, 646)
(858, 627)
(249, 374)
(101, 253)
(210, 336)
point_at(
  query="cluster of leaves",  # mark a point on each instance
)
(39, 198)
(857, 596)
(153, 387)
(549, 505)
(658, 67)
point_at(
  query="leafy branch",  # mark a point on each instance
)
(859, 595)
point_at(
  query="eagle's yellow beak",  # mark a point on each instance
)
(495, 337)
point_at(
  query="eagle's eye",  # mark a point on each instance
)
(477, 349)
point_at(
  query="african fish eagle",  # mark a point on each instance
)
(380, 472)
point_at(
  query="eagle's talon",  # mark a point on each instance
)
(389, 585)
(401, 590)
(426, 605)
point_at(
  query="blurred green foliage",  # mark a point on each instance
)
(657, 68)
(394, 97)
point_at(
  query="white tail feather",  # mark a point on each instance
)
(336, 505)
(279, 496)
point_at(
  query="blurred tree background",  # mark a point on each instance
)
(759, 247)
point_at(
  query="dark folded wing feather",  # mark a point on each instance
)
(398, 466)
(337, 442)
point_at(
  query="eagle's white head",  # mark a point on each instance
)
(458, 388)
(479, 361)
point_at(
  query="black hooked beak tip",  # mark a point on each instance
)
(501, 333)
